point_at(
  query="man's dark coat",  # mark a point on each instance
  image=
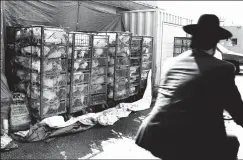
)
(195, 88)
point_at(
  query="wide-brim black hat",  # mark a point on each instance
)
(208, 25)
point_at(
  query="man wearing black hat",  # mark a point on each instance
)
(187, 122)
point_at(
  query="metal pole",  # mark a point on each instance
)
(2, 58)
(79, 3)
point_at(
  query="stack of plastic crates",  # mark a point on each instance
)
(135, 68)
(146, 64)
(119, 53)
(39, 65)
(98, 87)
(181, 44)
(80, 51)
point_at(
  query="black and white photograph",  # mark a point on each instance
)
(123, 79)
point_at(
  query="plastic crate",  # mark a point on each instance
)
(51, 66)
(110, 81)
(144, 74)
(136, 53)
(62, 80)
(143, 83)
(54, 80)
(62, 93)
(134, 79)
(81, 77)
(99, 52)
(99, 62)
(148, 42)
(78, 103)
(98, 99)
(124, 39)
(100, 41)
(112, 37)
(78, 90)
(31, 64)
(134, 61)
(134, 70)
(98, 88)
(122, 72)
(111, 51)
(123, 94)
(81, 64)
(99, 71)
(111, 60)
(49, 51)
(82, 52)
(53, 94)
(26, 35)
(147, 66)
(23, 75)
(147, 57)
(133, 90)
(33, 91)
(123, 51)
(122, 61)
(82, 39)
(53, 36)
(136, 44)
(30, 50)
(97, 79)
(111, 71)
(55, 108)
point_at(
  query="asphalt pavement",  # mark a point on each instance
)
(87, 144)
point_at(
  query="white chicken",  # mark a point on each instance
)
(95, 63)
(98, 52)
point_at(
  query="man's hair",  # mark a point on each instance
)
(204, 42)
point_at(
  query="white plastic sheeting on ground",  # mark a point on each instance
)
(105, 118)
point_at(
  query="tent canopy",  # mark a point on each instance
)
(77, 15)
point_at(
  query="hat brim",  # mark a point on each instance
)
(220, 32)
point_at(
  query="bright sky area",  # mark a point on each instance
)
(231, 11)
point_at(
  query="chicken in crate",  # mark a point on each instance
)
(80, 62)
(146, 63)
(181, 44)
(38, 56)
(135, 67)
(119, 52)
(99, 67)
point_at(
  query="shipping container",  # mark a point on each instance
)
(38, 56)
(160, 25)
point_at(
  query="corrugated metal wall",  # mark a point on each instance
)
(162, 26)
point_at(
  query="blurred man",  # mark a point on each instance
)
(187, 122)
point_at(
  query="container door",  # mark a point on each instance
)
(170, 31)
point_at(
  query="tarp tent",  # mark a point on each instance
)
(77, 15)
